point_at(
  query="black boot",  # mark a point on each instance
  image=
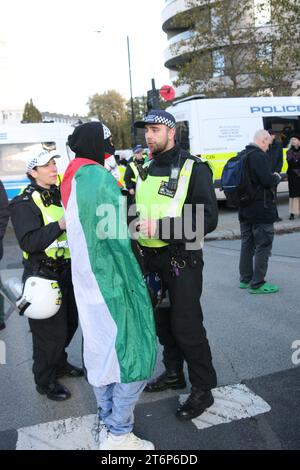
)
(195, 405)
(54, 391)
(291, 217)
(169, 379)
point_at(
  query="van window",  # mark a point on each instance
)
(183, 135)
(13, 156)
(284, 127)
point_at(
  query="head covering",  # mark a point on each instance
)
(109, 147)
(40, 158)
(295, 135)
(157, 116)
(87, 141)
(138, 149)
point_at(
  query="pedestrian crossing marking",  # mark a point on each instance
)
(232, 403)
(65, 434)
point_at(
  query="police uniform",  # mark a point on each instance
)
(131, 173)
(180, 326)
(35, 215)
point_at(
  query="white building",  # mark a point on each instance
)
(176, 23)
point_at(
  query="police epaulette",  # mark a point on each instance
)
(27, 193)
(196, 159)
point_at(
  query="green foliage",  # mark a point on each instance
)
(31, 113)
(231, 53)
(113, 110)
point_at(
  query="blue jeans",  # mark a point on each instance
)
(116, 403)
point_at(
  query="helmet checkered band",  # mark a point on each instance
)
(106, 132)
(154, 119)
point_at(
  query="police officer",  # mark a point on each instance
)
(170, 195)
(4, 216)
(38, 219)
(131, 173)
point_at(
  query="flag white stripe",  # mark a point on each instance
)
(98, 326)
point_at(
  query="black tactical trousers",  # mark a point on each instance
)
(180, 327)
(51, 336)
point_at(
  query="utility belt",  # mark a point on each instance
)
(57, 265)
(179, 257)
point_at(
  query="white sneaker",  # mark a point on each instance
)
(127, 441)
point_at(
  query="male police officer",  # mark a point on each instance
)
(173, 187)
(131, 173)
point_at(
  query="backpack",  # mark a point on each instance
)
(236, 182)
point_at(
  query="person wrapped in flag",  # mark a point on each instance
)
(114, 306)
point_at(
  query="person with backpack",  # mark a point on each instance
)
(257, 217)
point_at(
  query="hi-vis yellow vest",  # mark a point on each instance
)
(52, 214)
(134, 170)
(152, 205)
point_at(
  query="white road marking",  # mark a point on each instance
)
(232, 403)
(66, 434)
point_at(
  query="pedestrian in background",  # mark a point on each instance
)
(275, 152)
(293, 172)
(257, 219)
(4, 217)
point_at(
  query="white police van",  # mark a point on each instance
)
(17, 141)
(218, 128)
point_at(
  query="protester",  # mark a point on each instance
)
(257, 219)
(293, 172)
(174, 182)
(115, 314)
(4, 217)
(38, 219)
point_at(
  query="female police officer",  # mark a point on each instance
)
(37, 217)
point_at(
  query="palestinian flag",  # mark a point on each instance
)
(113, 303)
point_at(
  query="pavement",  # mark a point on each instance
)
(228, 227)
(255, 342)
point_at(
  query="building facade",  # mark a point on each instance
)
(219, 54)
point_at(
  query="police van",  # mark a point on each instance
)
(19, 140)
(218, 128)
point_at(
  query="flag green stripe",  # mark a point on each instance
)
(117, 272)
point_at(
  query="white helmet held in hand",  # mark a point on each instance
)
(41, 298)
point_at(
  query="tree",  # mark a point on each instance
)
(234, 50)
(110, 108)
(113, 110)
(278, 64)
(31, 113)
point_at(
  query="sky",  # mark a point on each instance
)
(50, 51)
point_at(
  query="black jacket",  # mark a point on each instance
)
(293, 172)
(4, 216)
(33, 236)
(200, 191)
(129, 175)
(262, 210)
(275, 153)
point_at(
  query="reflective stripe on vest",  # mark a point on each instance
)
(51, 214)
(135, 171)
(152, 205)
